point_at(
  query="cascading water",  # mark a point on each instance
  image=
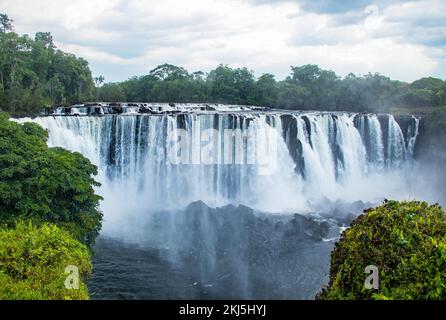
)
(152, 166)
(335, 153)
(412, 133)
(371, 133)
(396, 145)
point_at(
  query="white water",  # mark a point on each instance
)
(338, 158)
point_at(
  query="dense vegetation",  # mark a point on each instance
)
(436, 125)
(33, 261)
(34, 74)
(307, 87)
(51, 189)
(406, 241)
(45, 184)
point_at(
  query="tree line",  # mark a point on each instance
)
(35, 74)
(307, 87)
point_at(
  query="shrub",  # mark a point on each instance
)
(45, 184)
(33, 261)
(406, 241)
(436, 123)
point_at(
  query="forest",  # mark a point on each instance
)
(308, 87)
(49, 214)
(35, 74)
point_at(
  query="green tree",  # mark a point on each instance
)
(98, 81)
(426, 92)
(406, 241)
(320, 87)
(46, 184)
(33, 262)
(222, 82)
(34, 75)
(306, 75)
(6, 23)
(112, 92)
(291, 96)
(266, 90)
(46, 40)
(168, 72)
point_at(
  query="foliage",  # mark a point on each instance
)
(307, 88)
(45, 184)
(427, 92)
(34, 74)
(405, 240)
(112, 92)
(436, 123)
(433, 139)
(33, 261)
(6, 23)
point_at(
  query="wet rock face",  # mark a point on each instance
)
(242, 224)
(339, 212)
(102, 108)
(302, 227)
(235, 252)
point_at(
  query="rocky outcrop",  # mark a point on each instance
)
(103, 108)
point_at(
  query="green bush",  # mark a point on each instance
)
(44, 184)
(405, 240)
(33, 261)
(436, 123)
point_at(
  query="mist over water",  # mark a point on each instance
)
(231, 225)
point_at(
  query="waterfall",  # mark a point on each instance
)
(270, 161)
(371, 133)
(353, 155)
(412, 134)
(316, 153)
(396, 146)
(238, 198)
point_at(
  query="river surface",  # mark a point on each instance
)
(128, 271)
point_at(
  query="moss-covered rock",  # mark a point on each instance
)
(406, 241)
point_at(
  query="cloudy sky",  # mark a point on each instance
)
(403, 39)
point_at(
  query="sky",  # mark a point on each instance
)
(402, 39)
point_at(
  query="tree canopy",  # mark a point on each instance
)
(35, 74)
(33, 261)
(49, 215)
(307, 88)
(45, 184)
(405, 241)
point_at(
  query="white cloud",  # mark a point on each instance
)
(124, 38)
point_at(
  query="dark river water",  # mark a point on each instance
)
(126, 271)
(217, 253)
